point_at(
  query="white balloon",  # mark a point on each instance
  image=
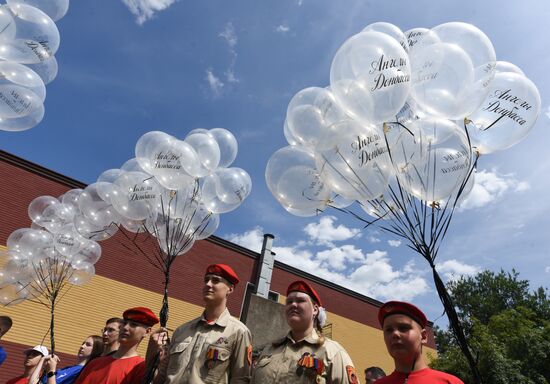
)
(370, 76)
(38, 206)
(34, 38)
(23, 123)
(67, 241)
(208, 152)
(47, 69)
(310, 113)
(98, 211)
(391, 30)
(228, 146)
(357, 165)
(145, 145)
(226, 189)
(55, 9)
(139, 195)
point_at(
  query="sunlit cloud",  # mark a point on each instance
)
(325, 232)
(490, 186)
(370, 274)
(146, 9)
(282, 29)
(394, 243)
(215, 84)
(454, 269)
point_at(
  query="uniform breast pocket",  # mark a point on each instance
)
(216, 364)
(179, 356)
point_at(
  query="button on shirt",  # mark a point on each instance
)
(280, 362)
(210, 352)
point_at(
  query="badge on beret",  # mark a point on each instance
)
(352, 376)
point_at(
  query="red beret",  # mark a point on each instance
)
(141, 315)
(224, 271)
(302, 286)
(401, 308)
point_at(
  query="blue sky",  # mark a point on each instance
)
(132, 66)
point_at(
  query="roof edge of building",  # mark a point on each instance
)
(235, 247)
(40, 170)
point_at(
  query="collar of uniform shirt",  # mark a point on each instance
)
(311, 339)
(221, 321)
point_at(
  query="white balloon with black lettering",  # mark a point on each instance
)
(172, 162)
(432, 158)
(370, 76)
(67, 241)
(507, 114)
(28, 35)
(139, 195)
(357, 165)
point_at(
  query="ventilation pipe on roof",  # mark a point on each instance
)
(267, 260)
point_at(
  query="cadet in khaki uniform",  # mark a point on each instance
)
(213, 348)
(304, 355)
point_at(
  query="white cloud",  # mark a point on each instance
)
(453, 269)
(251, 239)
(215, 84)
(373, 239)
(547, 269)
(324, 232)
(377, 278)
(145, 9)
(282, 29)
(548, 112)
(490, 186)
(394, 243)
(370, 274)
(229, 35)
(339, 258)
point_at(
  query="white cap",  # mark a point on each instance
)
(39, 348)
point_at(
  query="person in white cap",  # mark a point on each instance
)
(34, 358)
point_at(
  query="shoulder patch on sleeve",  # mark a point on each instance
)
(352, 376)
(249, 354)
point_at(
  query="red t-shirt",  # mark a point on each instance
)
(108, 370)
(423, 376)
(18, 380)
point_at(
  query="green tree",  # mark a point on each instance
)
(507, 326)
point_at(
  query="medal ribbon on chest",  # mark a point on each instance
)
(212, 354)
(309, 361)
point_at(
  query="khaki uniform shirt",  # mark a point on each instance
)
(281, 362)
(218, 352)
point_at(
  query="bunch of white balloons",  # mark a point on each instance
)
(413, 107)
(29, 40)
(173, 189)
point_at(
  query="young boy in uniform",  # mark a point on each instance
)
(404, 327)
(213, 348)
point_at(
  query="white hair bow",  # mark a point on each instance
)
(322, 317)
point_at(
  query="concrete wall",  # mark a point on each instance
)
(266, 321)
